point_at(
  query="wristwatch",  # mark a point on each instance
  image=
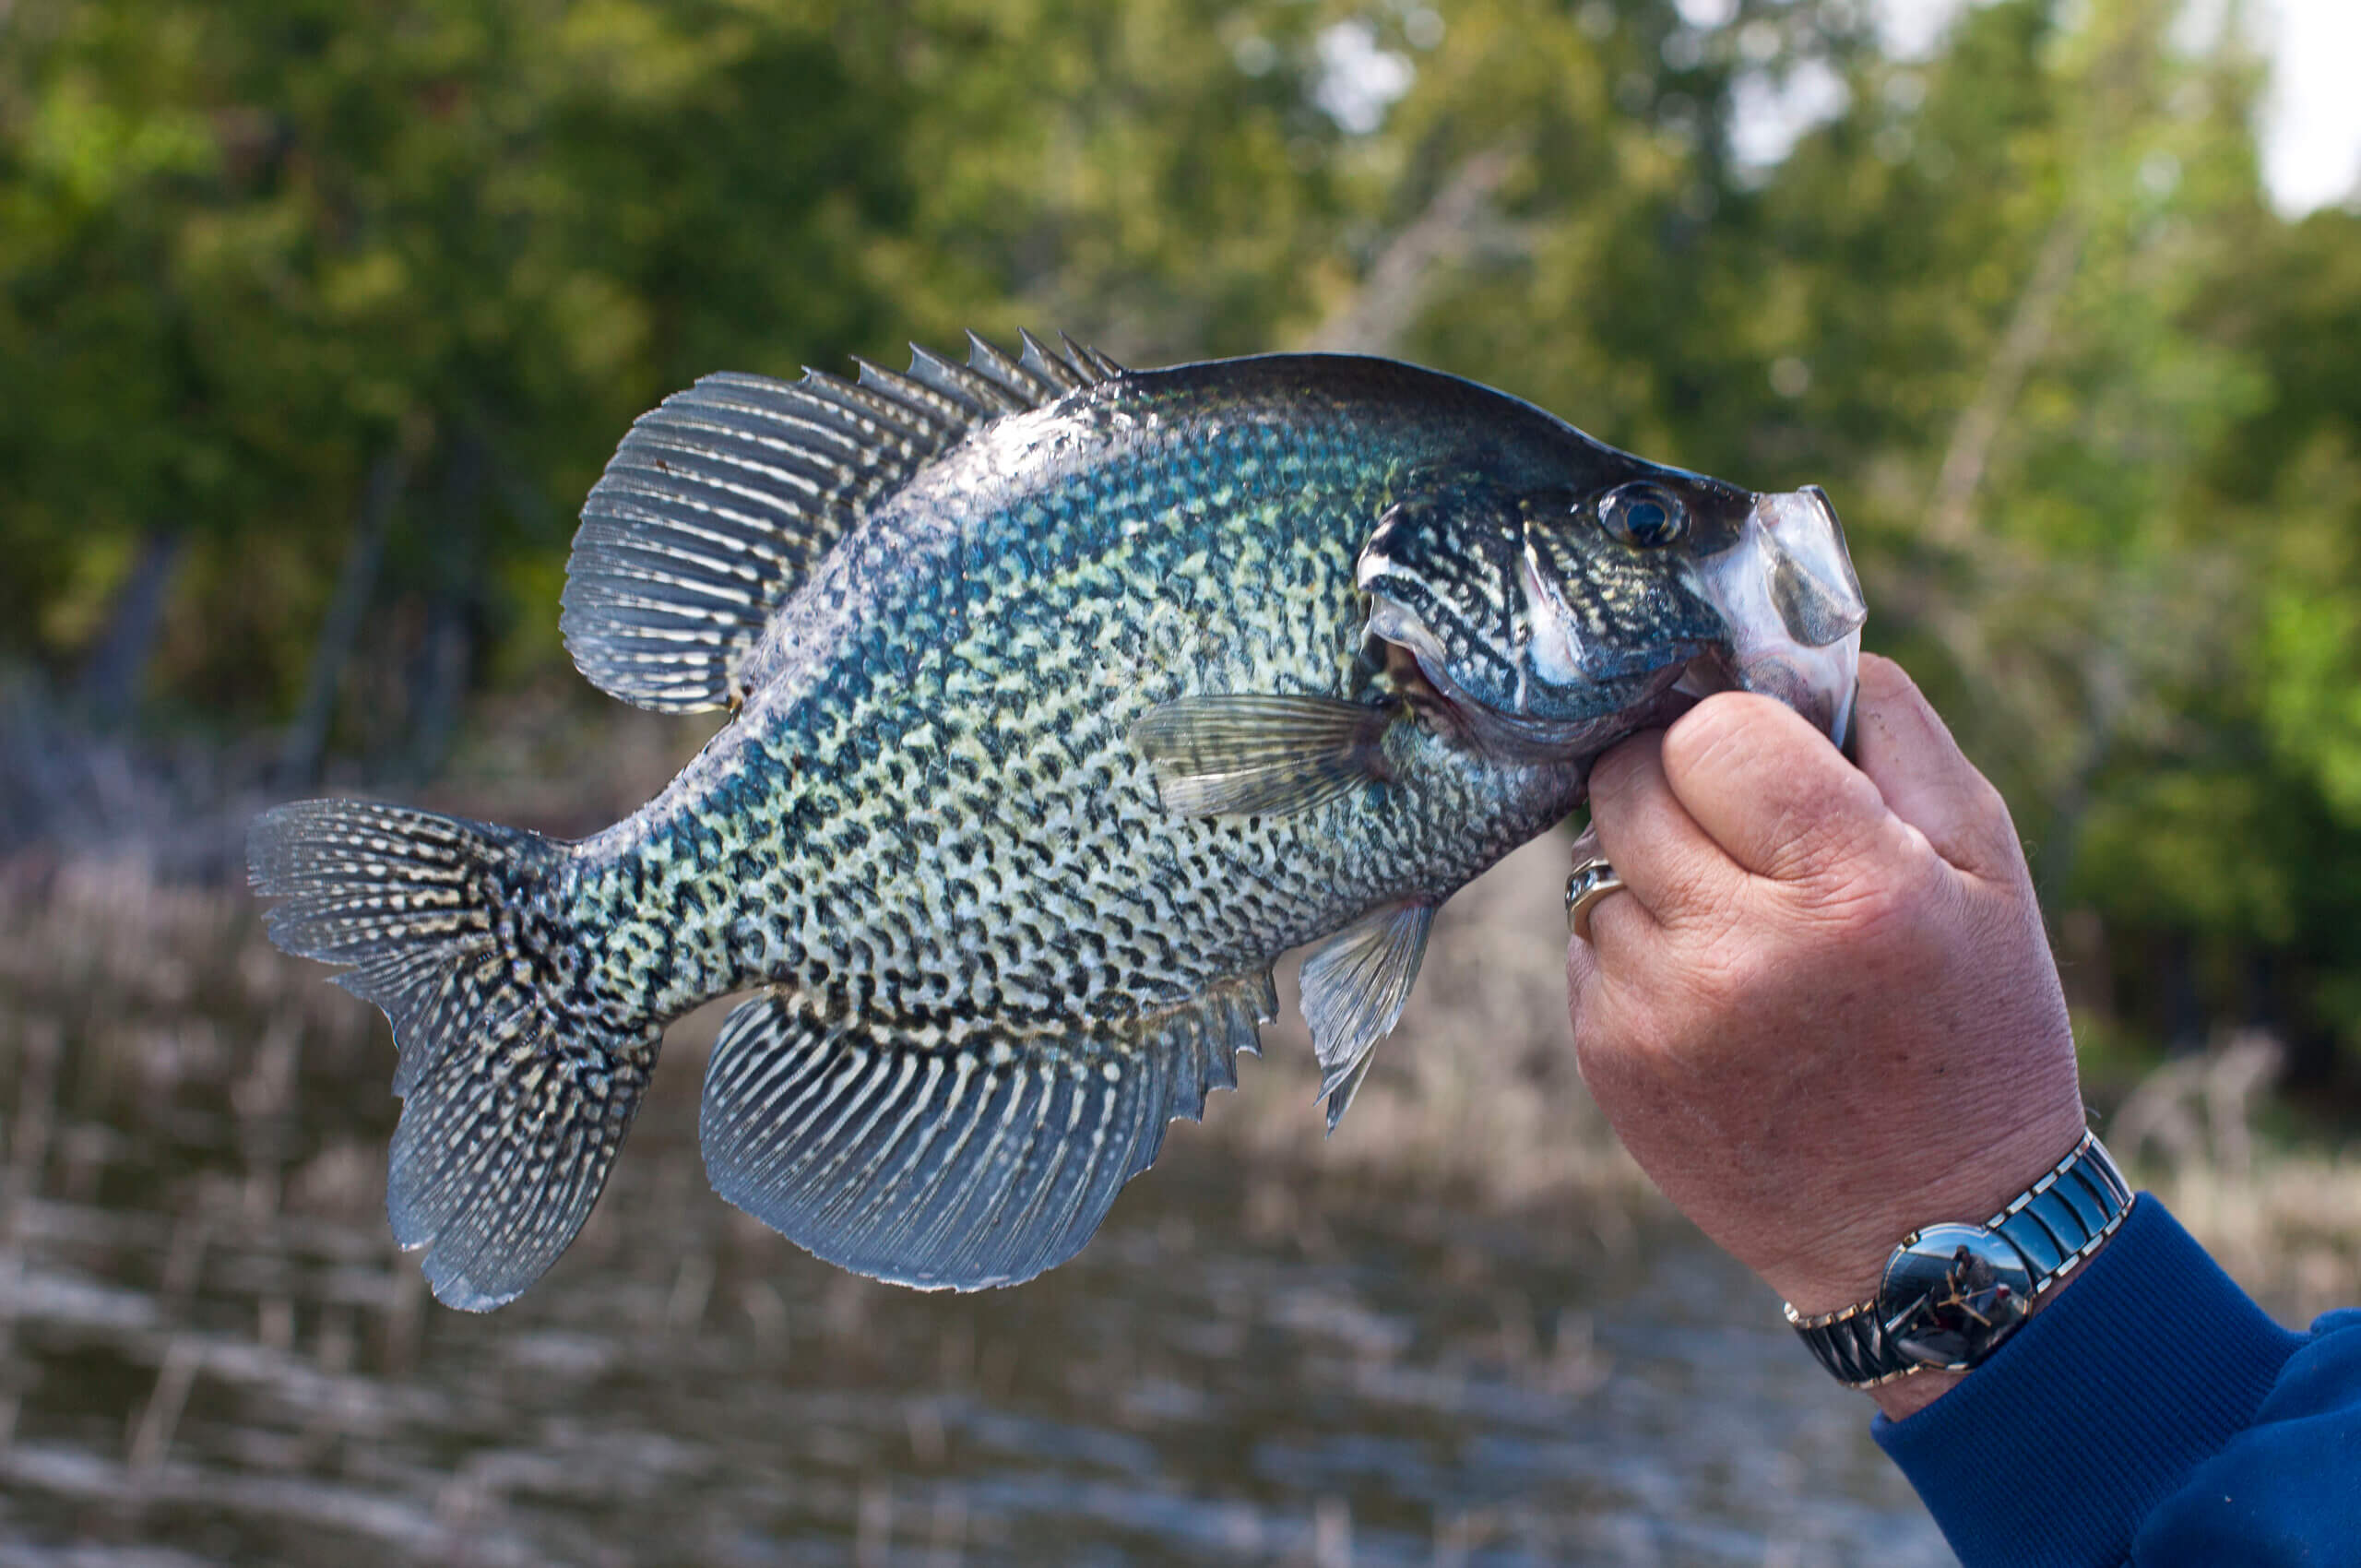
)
(1952, 1293)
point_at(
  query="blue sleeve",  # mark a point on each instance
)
(2287, 1489)
(2151, 1415)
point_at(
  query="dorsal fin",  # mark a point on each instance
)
(721, 501)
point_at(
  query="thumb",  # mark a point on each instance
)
(1768, 787)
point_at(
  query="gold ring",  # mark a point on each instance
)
(1593, 880)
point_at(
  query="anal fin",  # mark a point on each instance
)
(895, 1153)
(1261, 755)
(1354, 987)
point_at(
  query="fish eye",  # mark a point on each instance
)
(1643, 514)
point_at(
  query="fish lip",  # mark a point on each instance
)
(1816, 591)
(1788, 592)
(1824, 698)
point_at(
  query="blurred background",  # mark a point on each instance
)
(317, 321)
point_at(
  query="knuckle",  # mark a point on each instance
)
(1835, 841)
(1816, 848)
(1861, 901)
(1990, 810)
(1715, 735)
(1708, 911)
(1884, 903)
(1884, 680)
(1685, 888)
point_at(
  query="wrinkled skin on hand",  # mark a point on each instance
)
(1825, 1014)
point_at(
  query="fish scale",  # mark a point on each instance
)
(1066, 699)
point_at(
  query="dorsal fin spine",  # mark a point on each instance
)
(931, 401)
(1028, 387)
(1048, 365)
(1093, 365)
(970, 389)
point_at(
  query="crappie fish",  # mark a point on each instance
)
(1067, 699)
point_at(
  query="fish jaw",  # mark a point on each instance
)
(1793, 604)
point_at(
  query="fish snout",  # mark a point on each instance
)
(1793, 605)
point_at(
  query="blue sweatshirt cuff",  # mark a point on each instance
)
(2053, 1453)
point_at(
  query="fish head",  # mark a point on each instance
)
(1552, 619)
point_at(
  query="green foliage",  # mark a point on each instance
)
(254, 245)
(2088, 407)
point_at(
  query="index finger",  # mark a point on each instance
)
(1909, 753)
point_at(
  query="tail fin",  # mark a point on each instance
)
(515, 1102)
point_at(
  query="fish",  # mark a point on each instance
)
(1062, 700)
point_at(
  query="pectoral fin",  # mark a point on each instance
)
(1261, 755)
(1354, 986)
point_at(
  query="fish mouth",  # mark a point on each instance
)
(1788, 593)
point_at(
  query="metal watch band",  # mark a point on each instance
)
(2041, 1235)
(1851, 1344)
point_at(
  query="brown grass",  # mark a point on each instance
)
(2285, 1221)
(1476, 1092)
(2289, 1230)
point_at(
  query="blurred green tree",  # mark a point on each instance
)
(257, 253)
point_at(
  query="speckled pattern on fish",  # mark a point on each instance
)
(1069, 698)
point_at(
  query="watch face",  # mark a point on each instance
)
(1951, 1293)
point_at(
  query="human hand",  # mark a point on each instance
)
(1826, 1014)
